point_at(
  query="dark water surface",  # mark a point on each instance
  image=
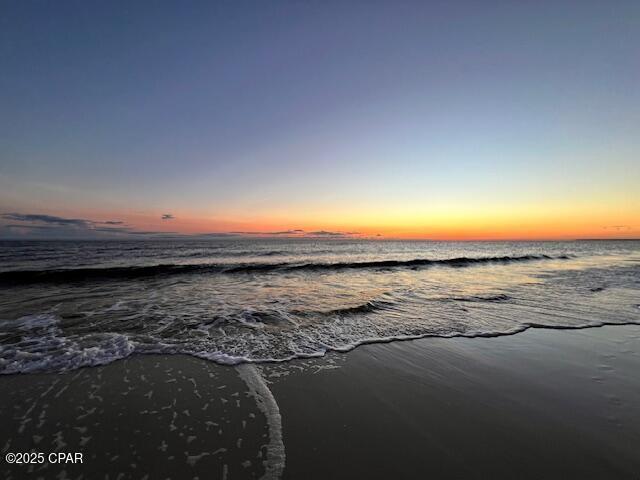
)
(68, 304)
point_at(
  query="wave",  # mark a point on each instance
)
(44, 347)
(139, 271)
(389, 264)
(482, 298)
(368, 307)
(473, 334)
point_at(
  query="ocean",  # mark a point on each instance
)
(71, 304)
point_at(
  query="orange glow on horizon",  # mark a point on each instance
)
(481, 224)
(455, 229)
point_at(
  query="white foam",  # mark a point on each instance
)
(258, 389)
(39, 343)
(43, 347)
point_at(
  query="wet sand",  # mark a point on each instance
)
(540, 404)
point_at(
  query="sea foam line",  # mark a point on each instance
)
(115, 351)
(238, 361)
(258, 389)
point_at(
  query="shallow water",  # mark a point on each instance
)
(64, 305)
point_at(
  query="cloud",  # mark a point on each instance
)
(53, 220)
(282, 232)
(297, 232)
(334, 234)
(324, 233)
(49, 219)
(289, 232)
(50, 226)
(150, 232)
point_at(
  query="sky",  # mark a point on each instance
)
(378, 119)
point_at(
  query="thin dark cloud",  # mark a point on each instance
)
(325, 233)
(49, 219)
(57, 221)
(296, 231)
(142, 232)
(50, 226)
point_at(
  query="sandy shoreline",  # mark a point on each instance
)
(540, 404)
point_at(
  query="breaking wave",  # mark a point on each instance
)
(44, 348)
(95, 303)
(21, 277)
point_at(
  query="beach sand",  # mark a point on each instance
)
(539, 404)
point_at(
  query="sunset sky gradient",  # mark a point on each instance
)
(435, 120)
